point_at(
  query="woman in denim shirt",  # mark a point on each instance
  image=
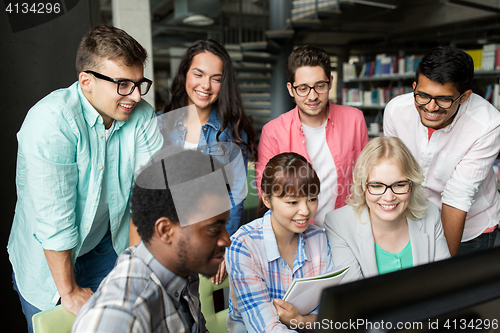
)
(205, 112)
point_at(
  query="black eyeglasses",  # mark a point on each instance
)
(320, 87)
(442, 102)
(377, 188)
(125, 87)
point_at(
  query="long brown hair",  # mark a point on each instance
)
(288, 174)
(229, 104)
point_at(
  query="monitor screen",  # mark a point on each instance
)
(457, 294)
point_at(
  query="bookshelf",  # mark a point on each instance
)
(376, 84)
(378, 81)
(370, 85)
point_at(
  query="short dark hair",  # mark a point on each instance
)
(448, 64)
(152, 195)
(288, 174)
(103, 43)
(308, 55)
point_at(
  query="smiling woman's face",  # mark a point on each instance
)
(203, 80)
(388, 206)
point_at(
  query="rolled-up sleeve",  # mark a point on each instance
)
(471, 171)
(47, 146)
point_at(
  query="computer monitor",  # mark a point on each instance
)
(457, 294)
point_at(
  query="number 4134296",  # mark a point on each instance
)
(474, 324)
(35, 8)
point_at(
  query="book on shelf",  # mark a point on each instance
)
(305, 293)
(363, 70)
(495, 100)
(412, 62)
(497, 58)
(367, 98)
(386, 65)
(409, 63)
(352, 96)
(401, 65)
(477, 57)
(490, 58)
(378, 64)
(349, 70)
(374, 97)
(489, 93)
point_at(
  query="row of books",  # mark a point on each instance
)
(487, 58)
(374, 97)
(492, 94)
(383, 65)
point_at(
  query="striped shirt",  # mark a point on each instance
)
(258, 274)
(140, 295)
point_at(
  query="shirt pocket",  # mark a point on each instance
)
(445, 165)
(220, 150)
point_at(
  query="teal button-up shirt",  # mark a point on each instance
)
(62, 158)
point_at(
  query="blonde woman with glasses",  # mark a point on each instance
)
(388, 224)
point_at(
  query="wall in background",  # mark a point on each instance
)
(33, 62)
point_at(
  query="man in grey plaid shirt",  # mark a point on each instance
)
(180, 206)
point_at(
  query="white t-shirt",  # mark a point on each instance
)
(189, 145)
(323, 164)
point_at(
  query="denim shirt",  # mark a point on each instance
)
(224, 151)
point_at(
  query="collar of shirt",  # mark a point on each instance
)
(214, 120)
(296, 119)
(271, 246)
(173, 283)
(90, 114)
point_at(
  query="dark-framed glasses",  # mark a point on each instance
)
(442, 102)
(377, 188)
(320, 87)
(125, 87)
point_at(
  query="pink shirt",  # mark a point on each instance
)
(346, 136)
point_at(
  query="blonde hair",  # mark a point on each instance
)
(395, 150)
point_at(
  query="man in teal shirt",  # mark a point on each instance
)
(78, 150)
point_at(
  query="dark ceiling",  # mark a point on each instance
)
(342, 27)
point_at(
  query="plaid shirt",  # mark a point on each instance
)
(258, 274)
(141, 295)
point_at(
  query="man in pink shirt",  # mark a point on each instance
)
(330, 136)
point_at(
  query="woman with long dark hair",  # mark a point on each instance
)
(211, 116)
